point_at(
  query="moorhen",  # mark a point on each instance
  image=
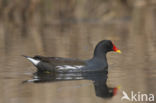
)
(65, 65)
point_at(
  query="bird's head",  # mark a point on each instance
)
(105, 46)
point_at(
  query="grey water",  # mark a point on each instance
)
(133, 70)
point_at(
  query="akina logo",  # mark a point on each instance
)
(137, 96)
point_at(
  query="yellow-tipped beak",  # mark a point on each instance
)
(118, 51)
(118, 87)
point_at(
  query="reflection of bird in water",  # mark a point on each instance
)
(95, 69)
(98, 78)
(102, 90)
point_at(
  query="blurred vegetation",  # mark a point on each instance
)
(32, 21)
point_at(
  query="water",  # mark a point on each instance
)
(133, 70)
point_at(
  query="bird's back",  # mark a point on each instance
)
(60, 64)
(60, 61)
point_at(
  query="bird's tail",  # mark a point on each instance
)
(25, 56)
(32, 60)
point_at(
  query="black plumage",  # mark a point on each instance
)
(51, 69)
(57, 64)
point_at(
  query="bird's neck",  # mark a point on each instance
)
(100, 58)
(99, 55)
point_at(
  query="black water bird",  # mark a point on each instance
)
(51, 69)
(97, 63)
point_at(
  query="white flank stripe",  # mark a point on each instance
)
(35, 62)
(66, 67)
